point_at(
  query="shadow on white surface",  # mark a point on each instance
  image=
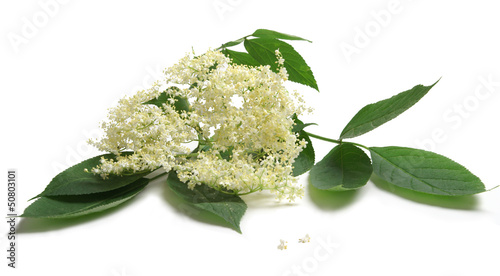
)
(266, 200)
(452, 202)
(33, 225)
(332, 200)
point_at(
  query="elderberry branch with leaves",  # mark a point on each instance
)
(223, 124)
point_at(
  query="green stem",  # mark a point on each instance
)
(249, 192)
(334, 140)
(359, 145)
(193, 154)
(243, 38)
(323, 138)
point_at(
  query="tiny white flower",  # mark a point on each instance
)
(282, 245)
(305, 239)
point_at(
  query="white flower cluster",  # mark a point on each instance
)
(305, 239)
(239, 116)
(283, 245)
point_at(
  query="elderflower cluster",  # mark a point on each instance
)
(239, 118)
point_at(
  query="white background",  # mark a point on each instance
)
(59, 78)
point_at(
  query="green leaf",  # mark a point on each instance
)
(298, 128)
(376, 114)
(263, 33)
(305, 161)
(345, 167)
(181, 103)
(79, 205)
(229, 207)
(240, 58)
(227, 154)
(424, 171)
(263, 50)
(299, 125)
(75, 181)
